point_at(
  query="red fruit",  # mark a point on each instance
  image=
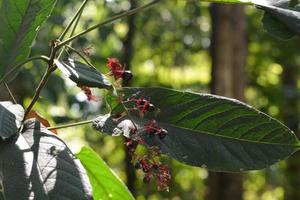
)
(147, 178)
(163, 177)
(152, 128)
(131, 145)
(87, 91)
(127, 75)
(162, 134)
(155, 166)
(145, 165)
(137, 165)
(151, 107)
(143, 105)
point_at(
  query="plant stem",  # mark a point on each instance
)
(249, 2)
(75, 26)
(51, 68)
(78, 12)
(127, 13)
(10, 93)
(126, 110)
(38, 90)
(71, 34)
(129, 116)
(44, 58)
(70, 125)
(80, 55)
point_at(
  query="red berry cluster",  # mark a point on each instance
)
(163, 177)
(87, 91)
(155, 170)
(132, 142)
(149, 163)
(131, 145)
(117, 70)
(152, 128)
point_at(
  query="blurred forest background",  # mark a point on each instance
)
(181, 44)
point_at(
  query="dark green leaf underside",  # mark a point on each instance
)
(82, 74)
(11, 116)
(20, 20)
(220, 133)
(280, 19)
(106, 185)
(38, 165)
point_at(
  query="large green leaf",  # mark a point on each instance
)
(38, 165)
(106, 185)
(276, 28)
(230, 1)
(281, 19)
(82, 74)
(11, 116)
(219, 133)
(20, 21)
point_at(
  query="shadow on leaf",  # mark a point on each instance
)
(38, 165)
(11, 116)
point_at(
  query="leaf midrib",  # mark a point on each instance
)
(16, 42)
(158, 90)
(233, 138)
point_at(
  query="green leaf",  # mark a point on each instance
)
(20, 21)
(280, 19)
(276, 28)
(82, 74)
(111, 98)
(11, 116)
(211, 131)
(106, 184)
(38, 165)
(230, 1)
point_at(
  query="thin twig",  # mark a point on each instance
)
(71, 34)
(10, 93)
(129, 116)
(38, 91)
(81, 56)
(75, 25)
(124, 14)
(78, 12)
(51, 68)
(70, 125)
(223, 1)
(44, 58)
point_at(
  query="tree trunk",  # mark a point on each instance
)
(228, 52)
(126, 59)
(291, 119)
(289, 80)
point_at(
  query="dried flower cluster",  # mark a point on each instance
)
(142, 105)
(117, 70)
(149, 164)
